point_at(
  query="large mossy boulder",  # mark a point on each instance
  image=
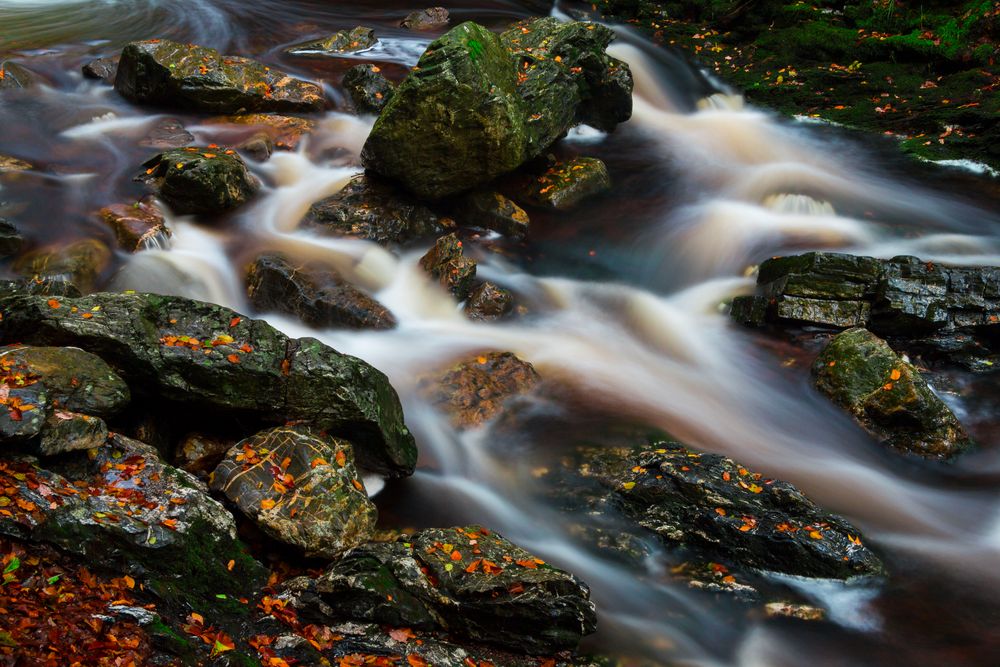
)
(200, 180)
(467, 581)
(301, 487)
(478, 105)
(192, 353)
(126, 511)
(713, 509)
(159, 71)
(861, 373)
(314, 293)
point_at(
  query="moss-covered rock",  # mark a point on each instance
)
(301, 487)
(369, 89)
(159, 71)
(200, 180)
(205, 356)
(861, 373)
(341, 42)
(315, 293)
(468, 581)
(447, 263)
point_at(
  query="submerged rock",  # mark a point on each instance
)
(102, 69)
(343, 41)
(861, 373)
(137, 225)
(371, 209)
(713, 507)
(200, 180)
(159, 71)
(284, 132)
(369, 89)
(10, 238)
(129, 512)
(447, 263)
(489, 301)
(491, 210)
(467, 581)
(474, 391)
(315, 294)
(197, 354)
(301, 487)
(167, 133)
(431, 18)
(11, 163)
(79, 263)
(565, 184)
(14, 76)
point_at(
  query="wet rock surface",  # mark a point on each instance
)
(447, 263)
(102, 69)
(489, 301)
(370, 91)
(10, 238)
(372, 209)
(344, 41)
(167, 133)
(431, 18)
(284, 132)
(137, 226)
(474, 391)
(199, 454)
(162, 72)
(69, 431)
(565, 184)
(953, 310)
(301, 487)
(314, 293)
(861, 373)
(79, 263)
(11, 163)
(14, 76)
(467, 580)
(200, 180)
(493, 211)
(186, 351)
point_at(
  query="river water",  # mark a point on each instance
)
(625, 326)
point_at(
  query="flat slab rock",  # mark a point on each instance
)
(467, 581)
(159, 71)
(198, 354)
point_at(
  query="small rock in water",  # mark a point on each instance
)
(167, 133)
(489, 301)
(446, 262)
(565, 184)
(102, 69)
(368, 88)
(468, 581)
(803, 612)
(493, 211)
(79, 263)
(159, 71)
(315, 500)
(475, 391)
(285, 132)
(135, 225)
(431, 18)
(10, 238)
(200, 180)
(344, 41)
(10, 163)
(14, 76)
(369, 208)
(860, 372)
(69, 431)
(315, 294)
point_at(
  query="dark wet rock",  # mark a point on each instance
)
(368, 88)
(491, 210)
(131, 513)
(13, 75)
(200, 180)
(75, 380)
(474, 391)
(565, 184)
(711, 506)
(41, 286)
(369, 208)
(10, 238)
(71, 431)
(284, 132)
(507, 101)
(447, 263)
(24, 402)
(80, 263)
(257, 147)
(314, 293)
(10, 163)
(194, 353)
(301, 487)
(199, 454)
(489, 301)
(159, 71)
(344, 41)
(715, 578)
(861, 373)
(137, 225)
(431, 18)
(948, 309)
(468, 581)
(803, 612)
(167, 133)
(103, 69)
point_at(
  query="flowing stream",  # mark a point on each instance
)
(625, 320)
